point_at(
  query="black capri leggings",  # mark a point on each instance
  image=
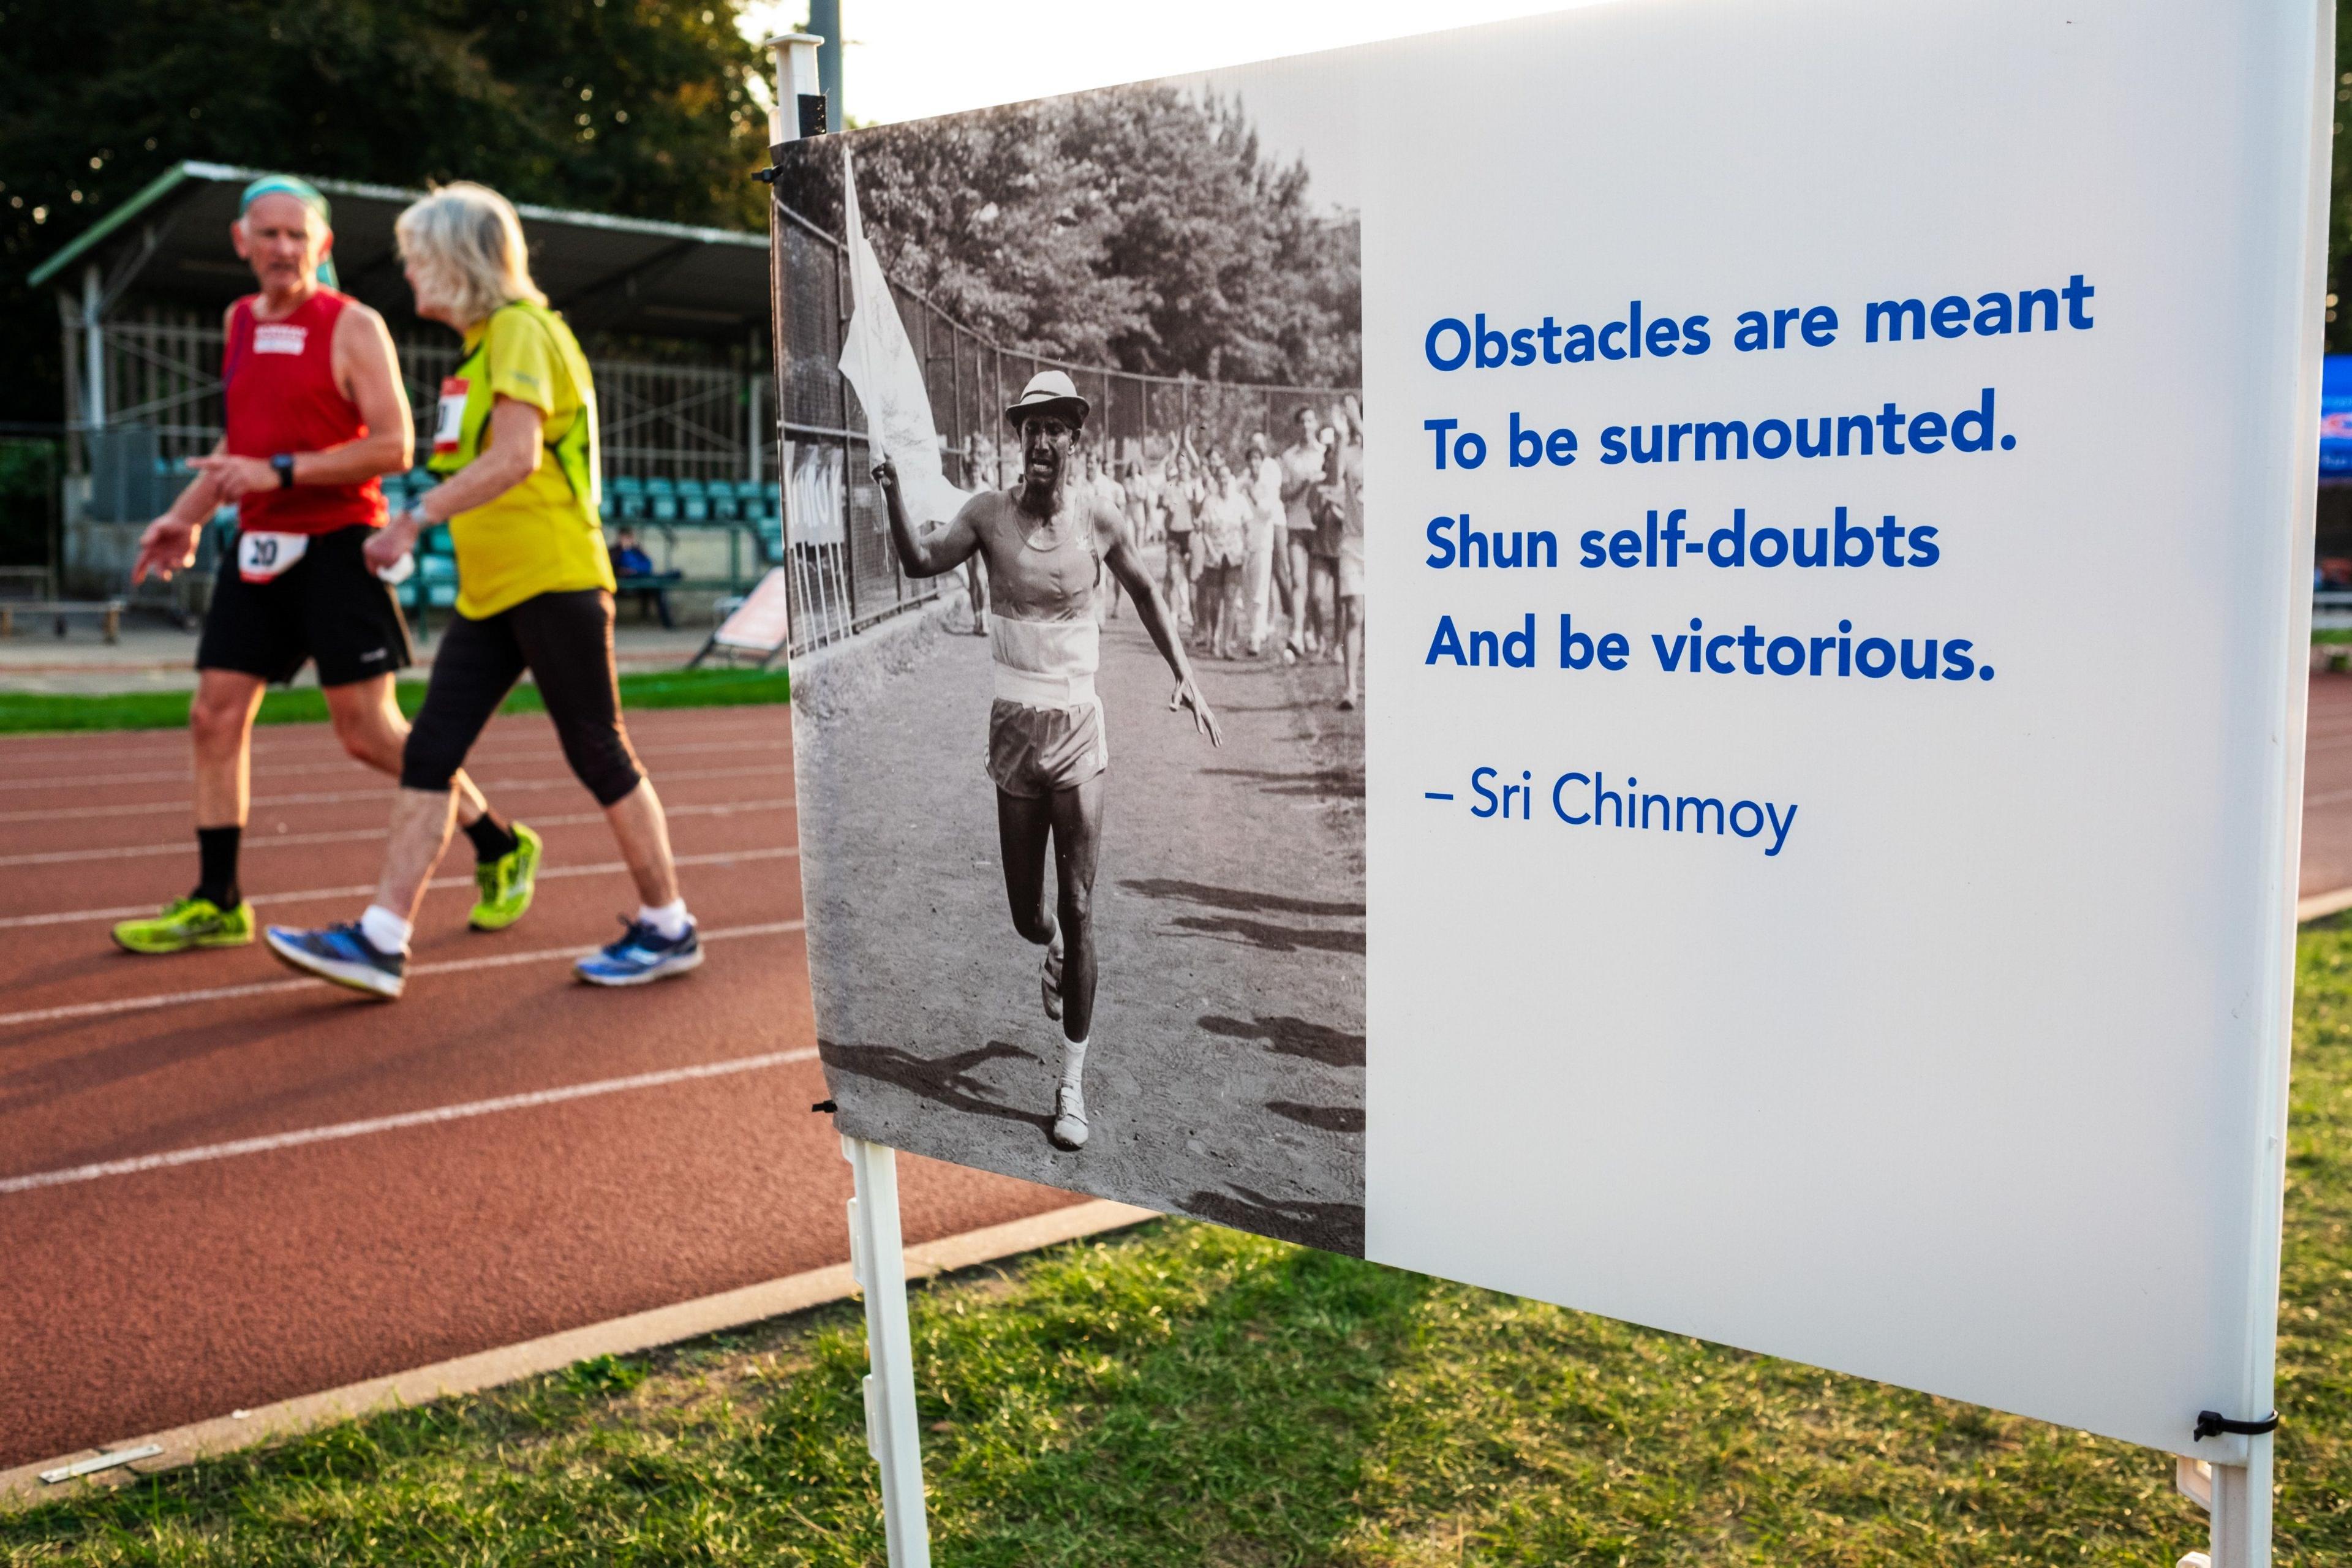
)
(565, 640)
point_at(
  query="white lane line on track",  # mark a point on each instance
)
(358, 834)
(81, 777)
(119, 1004)
(343, 797)
(204, 1153)
(309, 895)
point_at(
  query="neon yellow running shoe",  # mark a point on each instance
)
(506, 883)
(185, 923)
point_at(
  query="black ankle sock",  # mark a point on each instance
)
(216, 866)
(491, 838)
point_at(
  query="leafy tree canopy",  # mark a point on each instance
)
(637, 107)
(1141, 227)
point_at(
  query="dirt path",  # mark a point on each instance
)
(1226, 1074)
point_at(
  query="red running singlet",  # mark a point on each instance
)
(278, 381)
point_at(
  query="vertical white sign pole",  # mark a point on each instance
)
(876, 1254)
(891, 1435)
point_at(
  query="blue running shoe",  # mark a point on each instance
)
(642, 955)
(341, 953)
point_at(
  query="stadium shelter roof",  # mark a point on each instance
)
(615, 275)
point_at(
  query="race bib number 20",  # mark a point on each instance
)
(452, 417)
(262, 556)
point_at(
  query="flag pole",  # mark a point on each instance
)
(877, 1250)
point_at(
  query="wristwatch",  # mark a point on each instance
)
(284, 463)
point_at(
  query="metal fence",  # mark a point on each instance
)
(657, 419)
(844, 574)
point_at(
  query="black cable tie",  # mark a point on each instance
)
(2212, 1424)
(826, 1107)
(769, 175)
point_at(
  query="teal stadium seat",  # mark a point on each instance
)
(661, 496)
(624, 496)
(693, 501)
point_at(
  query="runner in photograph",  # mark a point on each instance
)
(1268, 566)
(1181, 500)
(1351, 566)
(1048, 543)
(1302, 465)
(315, 414)
(517, 437)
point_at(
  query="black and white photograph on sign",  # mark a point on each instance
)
(1073, 394)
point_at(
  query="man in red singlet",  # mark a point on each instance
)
(315, 414)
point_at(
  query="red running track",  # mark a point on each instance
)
(2327, 788)
(679, 1160)
(134, 1302)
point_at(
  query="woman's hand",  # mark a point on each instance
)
(1188, 695)
(393, 540)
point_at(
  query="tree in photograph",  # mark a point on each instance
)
(1142, 227)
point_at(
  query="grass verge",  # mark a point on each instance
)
(1188, 1396)
(35, 713)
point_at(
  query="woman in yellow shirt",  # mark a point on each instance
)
(517, 437)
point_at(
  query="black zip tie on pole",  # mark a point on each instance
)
(2212, 1424)
(826, 1107)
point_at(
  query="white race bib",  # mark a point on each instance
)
(262, 556)
(452, 417)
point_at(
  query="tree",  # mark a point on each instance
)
(1141, 227)
(636, 107)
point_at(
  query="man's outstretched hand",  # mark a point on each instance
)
(167, 546)
(1188, 695)
(886, 474)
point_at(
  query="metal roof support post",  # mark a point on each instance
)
(93, 348)
(892, 1434)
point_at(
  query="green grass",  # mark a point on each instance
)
(35, 713)
(1189, 1396)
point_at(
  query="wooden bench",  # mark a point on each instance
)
(107, 611)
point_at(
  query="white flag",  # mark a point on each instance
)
(881, 363)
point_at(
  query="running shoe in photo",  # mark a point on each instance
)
(186, 924)
(642, 955)
(506, 883)
(343, 954)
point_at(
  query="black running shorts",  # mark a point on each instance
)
(327, 606)
(565, 640)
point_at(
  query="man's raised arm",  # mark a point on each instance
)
(1119, 555)
(944, 551)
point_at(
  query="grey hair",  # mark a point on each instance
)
(469, 241)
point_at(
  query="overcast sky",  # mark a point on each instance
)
(910, 58)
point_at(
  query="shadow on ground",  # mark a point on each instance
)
(943, 1080)
(1333, 1228)
(1292, 1037)
(1240, 899)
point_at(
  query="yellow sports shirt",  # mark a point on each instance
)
(545, 535)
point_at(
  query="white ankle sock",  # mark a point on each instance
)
(1073, 1064)
(385, 931)
(668, 919)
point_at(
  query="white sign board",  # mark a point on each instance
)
(1828, 486)
(1844, 908)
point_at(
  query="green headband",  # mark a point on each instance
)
(301, 191)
